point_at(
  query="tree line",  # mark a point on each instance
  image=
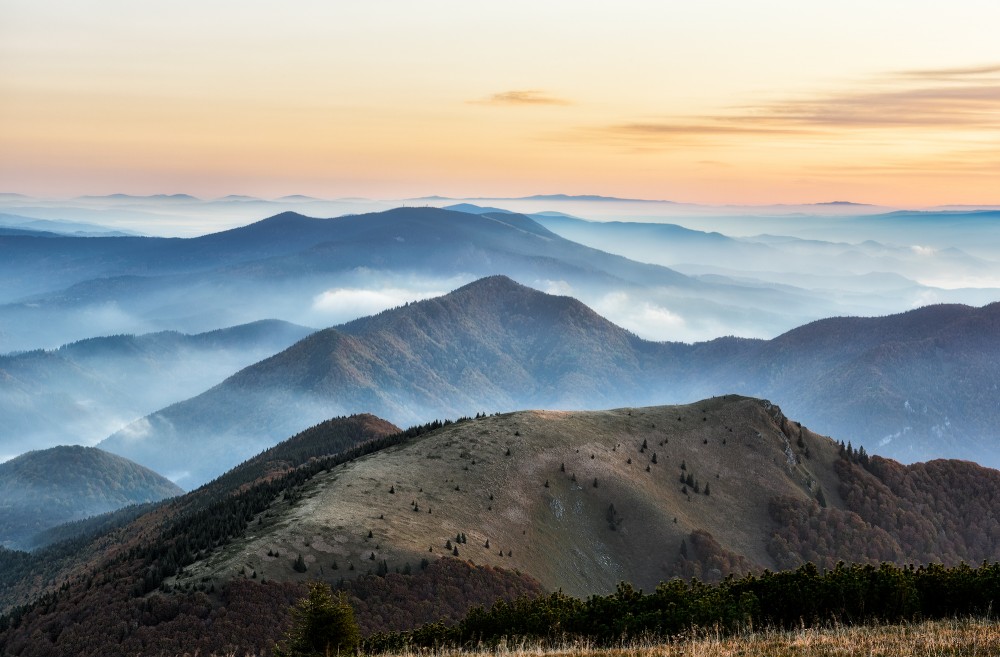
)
(848, 594)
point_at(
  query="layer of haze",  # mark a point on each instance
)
(714, 102)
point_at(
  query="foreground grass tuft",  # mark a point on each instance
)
(947, 638)
(968, 637)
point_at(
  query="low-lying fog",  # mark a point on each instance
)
(749, 276)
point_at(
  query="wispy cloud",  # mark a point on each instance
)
(344, 304)
(711, 126)
(963, 107)
(950, 100)
(522, 97)
(964, 164)
(952, 73)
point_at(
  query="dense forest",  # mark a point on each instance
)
(230, 618)
(803, 597)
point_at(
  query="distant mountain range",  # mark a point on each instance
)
(11, 224)
(59, 289)
(315, 271)
(83, 391)
(791, 261)
(42, 489)
(918, 385)
(281, 266)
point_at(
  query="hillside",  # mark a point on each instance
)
(75, 546)
(42, 489)
(92, 588)
(914, 386)
(333, 436)
(574, 500)
(216, 569)
(385, 519)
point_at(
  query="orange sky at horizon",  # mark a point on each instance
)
(717, 102)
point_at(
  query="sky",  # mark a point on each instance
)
(895, 102)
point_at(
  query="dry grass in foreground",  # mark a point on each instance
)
(965, 637)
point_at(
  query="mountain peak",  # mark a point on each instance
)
(277, 226)
(499, 283)
(286, 216)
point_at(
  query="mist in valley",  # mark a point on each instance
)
(82, 392)
(665, 272)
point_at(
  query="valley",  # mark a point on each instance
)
(447, 329)
(81, 392)
(550, 448)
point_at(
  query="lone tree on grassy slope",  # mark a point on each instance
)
(323, 625)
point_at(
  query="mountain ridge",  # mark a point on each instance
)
(496, 345)
(582, 499)
(280, 266)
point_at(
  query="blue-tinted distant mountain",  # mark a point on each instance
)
(238, 197)
(569, 197)
(673, 244)
(711, 217)
(283, 264)
(586, 197)
(305, 238)
(67, 228)
(289, 265)
(963, 226)
(22, 260)
(914, 386)
(952, 216)
(963, 208)
(169, 198)
(975, 232)
(298, 197)
(839, 269)
(475, 209)
(6, 231)
(42, 489)
(82, 391)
